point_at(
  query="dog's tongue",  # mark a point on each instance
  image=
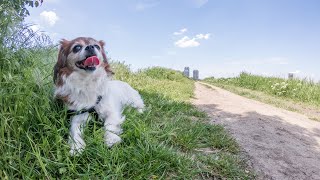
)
(91, 61)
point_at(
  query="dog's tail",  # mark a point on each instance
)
(138, 104)
(137, 101)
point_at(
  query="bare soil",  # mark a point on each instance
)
(279, 144)
(310, 110)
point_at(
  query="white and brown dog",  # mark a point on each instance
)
(82, 78)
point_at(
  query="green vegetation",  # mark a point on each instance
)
(14, 33)
(164, 142)
(158, 80)
(293, 89)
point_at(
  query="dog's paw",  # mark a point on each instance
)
(76, 148)
(111, 139)
(118, 131)
(115, 129)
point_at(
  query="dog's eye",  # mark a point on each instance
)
(76, 48)
(98, 47)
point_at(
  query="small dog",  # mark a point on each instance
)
(82, 78)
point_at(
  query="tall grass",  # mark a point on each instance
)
(161, 143)
(170, 83)
(294, 89)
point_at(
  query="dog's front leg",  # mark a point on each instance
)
(112, 125)
(76, 141)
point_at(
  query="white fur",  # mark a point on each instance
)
(83, 89)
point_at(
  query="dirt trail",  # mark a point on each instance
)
(279, 144)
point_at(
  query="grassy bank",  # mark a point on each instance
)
(167, 141)
(295, 95)
(294, 89)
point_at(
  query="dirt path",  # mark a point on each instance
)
(279, 144)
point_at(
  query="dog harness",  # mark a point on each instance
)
(90, 110)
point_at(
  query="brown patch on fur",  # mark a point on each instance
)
(63, 71)
(60, 66)
(64, 99)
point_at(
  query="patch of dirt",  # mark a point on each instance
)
(280, 144)
(312, 111)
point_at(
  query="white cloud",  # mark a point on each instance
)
(203, 36)
(199, 3)
(35, 27)
(191, 42)
(187, 42)
(140, 6)
(39, 30)
(181, 31)
(49, 17)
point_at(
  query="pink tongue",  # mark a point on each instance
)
(91, 61)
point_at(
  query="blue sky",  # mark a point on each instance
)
(218, 37)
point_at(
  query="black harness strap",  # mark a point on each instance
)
(90, 110)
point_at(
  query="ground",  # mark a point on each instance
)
(279, 144)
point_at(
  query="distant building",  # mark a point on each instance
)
(186, 71)
(195, 74)
(290, 76)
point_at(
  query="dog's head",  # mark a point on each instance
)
(82, 54)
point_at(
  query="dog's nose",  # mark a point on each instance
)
(90, 50)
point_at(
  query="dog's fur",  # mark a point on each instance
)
(79, 89)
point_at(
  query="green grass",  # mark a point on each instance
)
(294, 89)
(165, 142)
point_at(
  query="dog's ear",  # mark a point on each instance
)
(62, 58)
(64, 43)
(105, 59)
(103, 52)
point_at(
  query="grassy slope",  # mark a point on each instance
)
(296, 95)
(163, 142)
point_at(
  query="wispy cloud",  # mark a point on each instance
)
(140, 6)
(203, 36)
(49, 17)
(186, 42)
(35, 27)
(199, 3)
(181, 31)
(38, 29)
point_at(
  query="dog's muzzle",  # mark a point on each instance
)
(88, 64)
